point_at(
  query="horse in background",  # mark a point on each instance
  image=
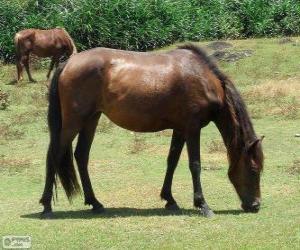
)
(180, 89)
(54, 43)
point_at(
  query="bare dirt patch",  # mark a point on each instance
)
(232, 56)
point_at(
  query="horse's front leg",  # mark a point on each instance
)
(173, 157)
(193, 148)
(25, 61)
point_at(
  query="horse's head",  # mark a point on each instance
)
(245, 175)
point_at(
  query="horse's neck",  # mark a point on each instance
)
(227, 127)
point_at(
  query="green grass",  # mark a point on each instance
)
(127, 171)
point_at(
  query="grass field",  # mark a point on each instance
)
(127, 170)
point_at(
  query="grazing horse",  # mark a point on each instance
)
(53, 43)
(181, 90)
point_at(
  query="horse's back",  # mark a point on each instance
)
(43, 43)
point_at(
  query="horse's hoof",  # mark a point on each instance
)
(47, 215)
(33, 81)
(207, 213)
(98, 210)
(172, 207)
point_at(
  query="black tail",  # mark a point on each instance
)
(59, 159)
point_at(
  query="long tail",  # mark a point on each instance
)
(60, 159)
(74, 49)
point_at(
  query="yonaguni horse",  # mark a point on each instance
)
(182, 90)
(53, 43)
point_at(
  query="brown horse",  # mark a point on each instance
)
(53, 43)
(147, 92)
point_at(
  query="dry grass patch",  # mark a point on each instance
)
(105, 125)
(274, 89)
(275, 98)
(215, 146)
(28, 117)
(211, 165)
(14, 165)
(166, 132)
(7, 132)
(138, 144)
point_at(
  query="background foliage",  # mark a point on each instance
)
(148, 24)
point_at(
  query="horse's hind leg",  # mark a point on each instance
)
(25, 61)
(48, 190)
(177, 143)
(193, 148)
(53, 61)
(82, 151)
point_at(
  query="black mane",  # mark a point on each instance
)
(242, 125)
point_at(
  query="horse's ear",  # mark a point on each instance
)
(252, 145)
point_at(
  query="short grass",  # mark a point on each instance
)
(127, 171)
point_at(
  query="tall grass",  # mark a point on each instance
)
(148, 24)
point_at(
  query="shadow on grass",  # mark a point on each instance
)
(127, 212)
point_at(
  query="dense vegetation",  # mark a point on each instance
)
(148, 24)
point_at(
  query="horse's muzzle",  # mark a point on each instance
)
(252, 207)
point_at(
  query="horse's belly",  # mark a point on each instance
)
(137, 122)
